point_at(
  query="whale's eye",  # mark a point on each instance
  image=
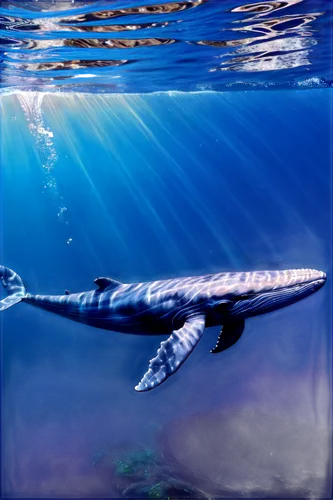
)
(224, 305)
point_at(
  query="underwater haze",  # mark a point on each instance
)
(157, 186)
(120, 181)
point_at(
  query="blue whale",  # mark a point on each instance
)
(181, 308)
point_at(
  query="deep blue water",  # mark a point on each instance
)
(142, 187)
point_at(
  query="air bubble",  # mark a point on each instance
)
(31, 103)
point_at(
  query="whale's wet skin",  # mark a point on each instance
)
(182, 307)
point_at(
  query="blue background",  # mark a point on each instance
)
(146, 187)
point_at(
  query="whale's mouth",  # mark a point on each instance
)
(281, 293)
(320, 281)
(303, 277)
(312, 279)
(265, 301)
(308, 286)
(315, 283)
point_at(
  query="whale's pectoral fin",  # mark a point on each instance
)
(104, 283)
(172, 353)
(229, 335)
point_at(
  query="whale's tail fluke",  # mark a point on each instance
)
(14, 287)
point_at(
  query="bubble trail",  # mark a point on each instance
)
(32, 106)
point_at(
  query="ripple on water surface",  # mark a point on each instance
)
(150, 45)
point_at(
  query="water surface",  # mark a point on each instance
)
(151, 45)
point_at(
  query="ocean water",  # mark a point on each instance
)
(172, 171)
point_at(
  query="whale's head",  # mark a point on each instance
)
(264, 291)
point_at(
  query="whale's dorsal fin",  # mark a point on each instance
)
(67, 292)
(229, 335)
(172, 353)
(104, 283)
